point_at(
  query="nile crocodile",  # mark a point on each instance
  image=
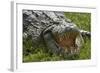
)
(59, 34)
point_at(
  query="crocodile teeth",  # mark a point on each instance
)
(66, 49)
(60, 39)
(68, 35)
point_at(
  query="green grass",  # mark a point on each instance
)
(82, 20)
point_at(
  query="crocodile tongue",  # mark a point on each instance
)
(67, 41)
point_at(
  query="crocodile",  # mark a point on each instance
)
(58, 33)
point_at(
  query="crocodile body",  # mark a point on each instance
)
(59, 34)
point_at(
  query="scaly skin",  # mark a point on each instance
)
(60, 35)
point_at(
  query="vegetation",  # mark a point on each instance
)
(82, 20)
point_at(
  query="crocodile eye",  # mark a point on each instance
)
(64, 25)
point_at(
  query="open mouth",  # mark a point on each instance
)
(67, 42)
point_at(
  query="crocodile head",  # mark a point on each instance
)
(68, 38)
